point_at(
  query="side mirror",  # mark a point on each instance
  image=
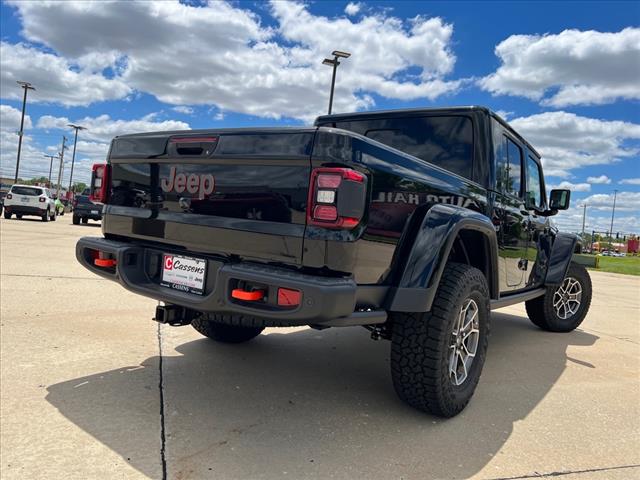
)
(559, 199)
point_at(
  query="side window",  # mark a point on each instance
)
(513, 174)
(534, 183)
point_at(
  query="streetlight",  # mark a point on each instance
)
(334, 63)
(26, 86)
(50, 166)
(75, 141)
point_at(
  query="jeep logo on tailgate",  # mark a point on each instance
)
(201, 185)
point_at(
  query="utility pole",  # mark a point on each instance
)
(64, 139)
(584, 217)
(26, 86)
(51, 157)
(613, 212)
(334, 63)
(73, 157)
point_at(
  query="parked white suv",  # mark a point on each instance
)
(29, 200)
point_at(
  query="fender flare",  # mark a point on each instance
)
(420, 274)
(560, 258)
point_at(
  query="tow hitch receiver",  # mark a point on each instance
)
(174, 315)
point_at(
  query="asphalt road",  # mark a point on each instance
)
(92, 388)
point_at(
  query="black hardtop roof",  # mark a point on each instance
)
(221, 131)
(474, 109)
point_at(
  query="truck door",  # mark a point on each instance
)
(511, 215)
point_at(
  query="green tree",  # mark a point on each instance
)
(78, 187)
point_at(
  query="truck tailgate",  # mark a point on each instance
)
(197, 190)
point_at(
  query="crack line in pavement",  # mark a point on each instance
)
(50, 276)
(163, 458)
(624, 339)
(566, 472)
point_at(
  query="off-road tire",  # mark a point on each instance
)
(225, 332)
(7, 215)
(542, 313)
(420, 345)
(76, 220)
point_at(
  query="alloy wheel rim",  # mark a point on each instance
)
(463, 346)
(567, 298)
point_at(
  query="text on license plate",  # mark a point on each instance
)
(186, 274)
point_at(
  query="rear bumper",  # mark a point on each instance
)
(87, 214)
(326, 301)
(25, 210)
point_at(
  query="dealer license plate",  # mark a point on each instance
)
(186, 274)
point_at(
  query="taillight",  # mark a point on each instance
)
(100, 183)
(9, 196)
(337, 197)
(42, 199)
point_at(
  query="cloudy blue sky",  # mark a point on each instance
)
(565, 74)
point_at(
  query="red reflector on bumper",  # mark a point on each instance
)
(253, 296)
(105, 262)
(288, 297)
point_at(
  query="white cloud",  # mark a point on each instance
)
(221, 55)
(183, 109)
(602, 179)
(574, 187)
(625, 201)
(54, 78)
(352, 8)
(568, 141)
(571, 221)
(10, 119)
(630, 181)
(586, 67)
(103, 128)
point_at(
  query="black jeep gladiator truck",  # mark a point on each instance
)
(411, 223)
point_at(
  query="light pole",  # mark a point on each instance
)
(61, 154)
(75, 141)
(50, 167)
(334, 63)
(613, 212)
(26, 86)
(584, 217)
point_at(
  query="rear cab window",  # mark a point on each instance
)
(27, 191)
(535, 183)
(445, 141)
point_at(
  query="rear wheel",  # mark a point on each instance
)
(223, 332)
(19, 216)
(85, 220)
(7, 215)
(46, 216)
(76, 220)
(563, 308)
(437, 356)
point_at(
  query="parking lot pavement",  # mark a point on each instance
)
(90, 386)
